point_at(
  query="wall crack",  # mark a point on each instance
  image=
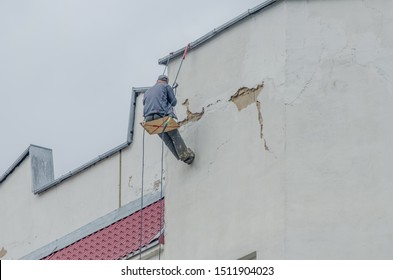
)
(246, 96)
(191, 117)
(260, 119)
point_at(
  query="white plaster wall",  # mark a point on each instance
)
(322, 190)
(32, 221)
(13, 230)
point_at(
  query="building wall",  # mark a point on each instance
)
(288, 114)
(302, 172)
(30, 221)
(12, 233)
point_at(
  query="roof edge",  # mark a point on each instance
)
(216, 31)
(13, 166)
(136, 91)
(92, 227)
(19, 160)
(83, 167)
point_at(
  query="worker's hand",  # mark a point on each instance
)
(175, 85)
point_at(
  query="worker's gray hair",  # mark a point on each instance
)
(163, 78)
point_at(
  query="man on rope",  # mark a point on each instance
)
(158, 102)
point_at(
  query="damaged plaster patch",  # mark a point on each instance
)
(246, 96)
(3, 252)
(191, 117)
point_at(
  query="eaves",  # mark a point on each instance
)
(212, 34)
(136, 91)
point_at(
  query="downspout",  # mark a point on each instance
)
(131, 119)
(131, 123)
(130, 131)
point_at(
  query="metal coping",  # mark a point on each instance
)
(216, 31)
(135, 93)
(18, 161)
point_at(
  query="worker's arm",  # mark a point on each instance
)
(171, 96)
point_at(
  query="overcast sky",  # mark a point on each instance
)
(67, 68)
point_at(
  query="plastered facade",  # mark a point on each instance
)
(299, 170)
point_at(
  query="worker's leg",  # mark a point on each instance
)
(169, 143)
(167, 139)
(175, 143)
(184, 154)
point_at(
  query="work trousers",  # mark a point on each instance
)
(172, 140)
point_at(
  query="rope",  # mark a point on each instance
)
(181, 63)
(162, 165)
(143, 173)
(161, 195)
(161, 192)
(162, 171)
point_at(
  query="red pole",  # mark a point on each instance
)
(185, 51)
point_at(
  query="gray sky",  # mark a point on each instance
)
(67, 68)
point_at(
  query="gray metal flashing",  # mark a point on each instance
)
(145, 251)
(131, 120)
(216, 31)
(18, 161)
(52, 183)
(31, 149)
(42, 171)
(93, 227)
(83, 167)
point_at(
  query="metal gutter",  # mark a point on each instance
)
(93, 227)
(84, 167)
(131, 123)
(216, 31)
(147, 251)
(19, 160)
(136, 91)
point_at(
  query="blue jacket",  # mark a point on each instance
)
(159, 99)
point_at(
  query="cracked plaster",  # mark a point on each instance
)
(191, 117)
(246, 96)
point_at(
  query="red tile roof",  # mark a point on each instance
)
(117, 240)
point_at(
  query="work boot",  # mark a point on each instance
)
(190, 156)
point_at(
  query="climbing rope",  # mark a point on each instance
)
(161, 192)
(143, 173)
(161, 201)
(164, 125)
(181, 63)
(167, 62)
